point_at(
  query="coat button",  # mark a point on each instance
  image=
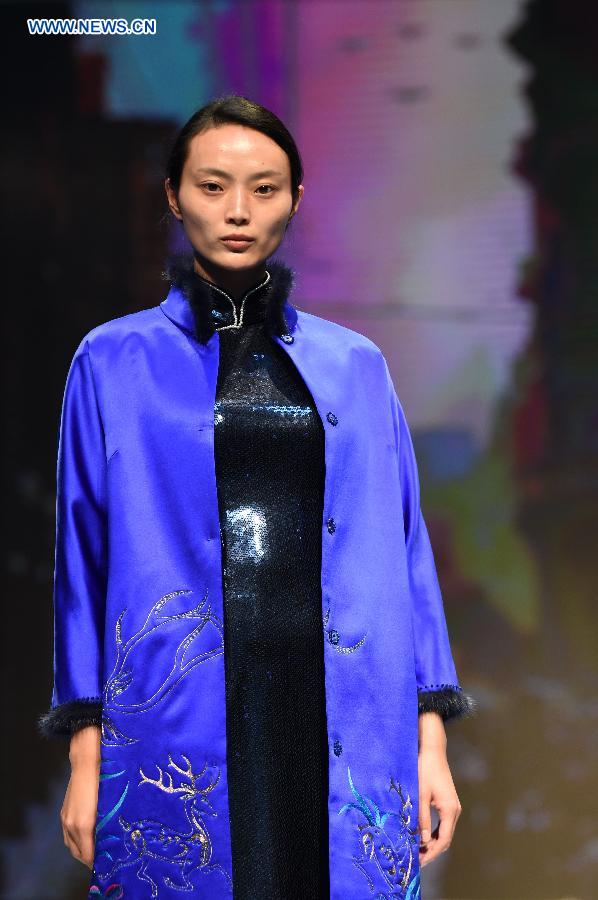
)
(287, 338)
(331, 525)
(338, 748)
(333, 636)
(332, 418)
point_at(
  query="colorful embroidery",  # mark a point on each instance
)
(122, 674)
(160, 851)
(114, 892)
(149, 840)
(389, 863)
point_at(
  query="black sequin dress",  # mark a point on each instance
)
(269, 454)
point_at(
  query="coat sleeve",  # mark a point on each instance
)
(79, 588)
(437, 682)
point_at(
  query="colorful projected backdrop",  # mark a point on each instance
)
(411, 228)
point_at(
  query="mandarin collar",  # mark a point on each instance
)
(229, 312)
(201, 307)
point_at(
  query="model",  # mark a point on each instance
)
(252, 662)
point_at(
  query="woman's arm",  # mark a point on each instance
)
(440, 696)
(79, 602)
(79, 809)
(80, 557)
(438, 687)
(436, 788)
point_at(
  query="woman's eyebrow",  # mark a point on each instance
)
(209, 170)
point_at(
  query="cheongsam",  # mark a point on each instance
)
(269, 457)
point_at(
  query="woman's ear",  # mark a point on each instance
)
(300, 191)
(172, 200)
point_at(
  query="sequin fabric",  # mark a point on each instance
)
(269, 454)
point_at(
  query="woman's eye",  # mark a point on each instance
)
(213, 184)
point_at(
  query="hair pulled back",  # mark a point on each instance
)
(239, 110)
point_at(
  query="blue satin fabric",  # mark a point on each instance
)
(139, 604)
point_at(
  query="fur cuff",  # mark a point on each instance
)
(449, 701)
(67, 718)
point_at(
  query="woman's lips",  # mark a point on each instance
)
(237, 245)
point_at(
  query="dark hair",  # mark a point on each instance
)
(238, 109)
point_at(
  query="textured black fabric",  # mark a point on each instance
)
(273, 294)
(67, 718)
(449, 702)
(269, 454)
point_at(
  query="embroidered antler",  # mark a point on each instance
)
(187, 791)
(121, 676)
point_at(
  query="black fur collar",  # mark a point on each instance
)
(207, 304)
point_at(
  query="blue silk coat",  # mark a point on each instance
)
(138, 604)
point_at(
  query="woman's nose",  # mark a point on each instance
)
(238, 207)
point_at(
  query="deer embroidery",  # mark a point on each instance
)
(148, 840)
(388, 862)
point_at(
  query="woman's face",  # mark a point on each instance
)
(237, 181)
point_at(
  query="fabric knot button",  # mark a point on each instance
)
(332, 418)
(287, 338)
(338, 748)
(333, 636)
(331, 525)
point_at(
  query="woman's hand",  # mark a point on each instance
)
(436, 788)
(79, 810)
